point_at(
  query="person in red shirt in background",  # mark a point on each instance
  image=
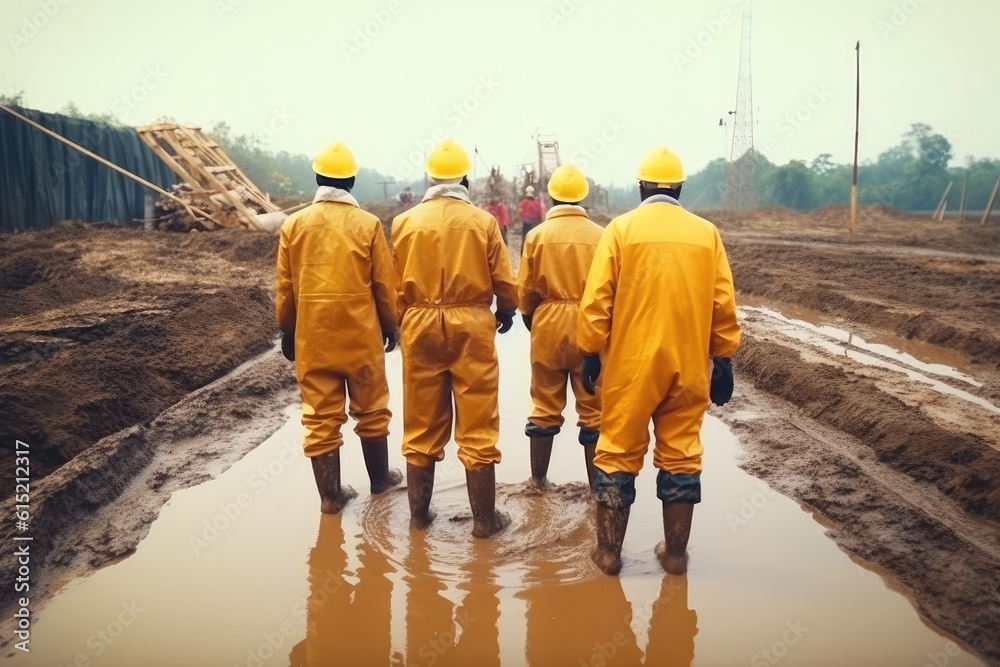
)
(498, 210)
(530, 211)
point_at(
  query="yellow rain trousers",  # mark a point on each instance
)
(452, 260)
(554, 266)
(659, 301)
(337, 290)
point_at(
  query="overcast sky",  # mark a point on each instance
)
(611, 78)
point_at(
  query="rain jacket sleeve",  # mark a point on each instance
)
(284, 298)
(594, 321)
(385, 282)
(500, 271)
(725, 329)
(528, 297)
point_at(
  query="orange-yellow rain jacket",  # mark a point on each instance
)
(554, 266)
(452, 261)
(659, 301)
(337, 290)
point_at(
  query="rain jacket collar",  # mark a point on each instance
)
(566, 209)
(327, 193)
(662, 199)
(454, 191)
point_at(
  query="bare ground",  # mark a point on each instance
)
(901, 459)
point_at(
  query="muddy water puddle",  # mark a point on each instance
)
(243, 570)
(926, 357)
(844, 344)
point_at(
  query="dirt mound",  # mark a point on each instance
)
(963, 466)
(105, 328)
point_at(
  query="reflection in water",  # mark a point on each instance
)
(582, 623)
(345, 624)
(434, 634)
(673, 626)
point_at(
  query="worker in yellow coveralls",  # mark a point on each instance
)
(337, 306)
(452, 261)
(660, 306)
(554, 266)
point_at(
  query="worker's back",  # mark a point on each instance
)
(448, 252)
(665, 277)
(331, 254)
(559, 253)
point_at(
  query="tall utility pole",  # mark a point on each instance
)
(741, 183)
(857, 131)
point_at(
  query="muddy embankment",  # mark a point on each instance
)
(901, 462)
(101, 331)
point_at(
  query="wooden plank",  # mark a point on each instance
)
(249, 218)
(989, 205)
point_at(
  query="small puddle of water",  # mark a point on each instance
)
(841, 343)
(925, 356)
(244, 571)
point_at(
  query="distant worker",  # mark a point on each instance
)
(337, 305)
(406, 198)
(498, 210)
(529, 211)
(554, 266)
(660, 306)
(452, 261)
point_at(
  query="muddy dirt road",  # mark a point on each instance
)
(242, 570)
(869, 386)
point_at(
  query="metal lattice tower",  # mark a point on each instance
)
(741, 185)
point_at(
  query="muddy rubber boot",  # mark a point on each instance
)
(376, 454)
(588, 454)
(541, 454)
(332, 496)
(419, 489)
(612, 522)
(672, 552)
(486, 520)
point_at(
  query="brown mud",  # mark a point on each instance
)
(103, 329)
(896, 461)
(902, 463)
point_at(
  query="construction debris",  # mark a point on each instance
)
(211, 181)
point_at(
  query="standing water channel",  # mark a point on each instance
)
(243, 570)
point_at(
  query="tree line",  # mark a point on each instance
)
(910, 176)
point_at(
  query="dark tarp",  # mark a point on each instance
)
(43, 181)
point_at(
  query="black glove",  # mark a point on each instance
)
(391, 340)
(288, 345)
(527, 321)
(722, 381)
(505, 321)
(591, 371)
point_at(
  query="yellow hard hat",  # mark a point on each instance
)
(336, 161)
(568, 184)
(447, 161)
(662, 166)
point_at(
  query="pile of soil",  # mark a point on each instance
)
(102, 329)
(943, 298)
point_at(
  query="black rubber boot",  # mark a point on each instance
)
(486, 520)
(326, 470)
(419, 489)
(376, 454)
(612, 522)
(672, 552)
(588, 454)
(541, 454)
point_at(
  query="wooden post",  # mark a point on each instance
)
(857, 128)
(939, 211)
(961, 205)
(194, 212)
(989, 206)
